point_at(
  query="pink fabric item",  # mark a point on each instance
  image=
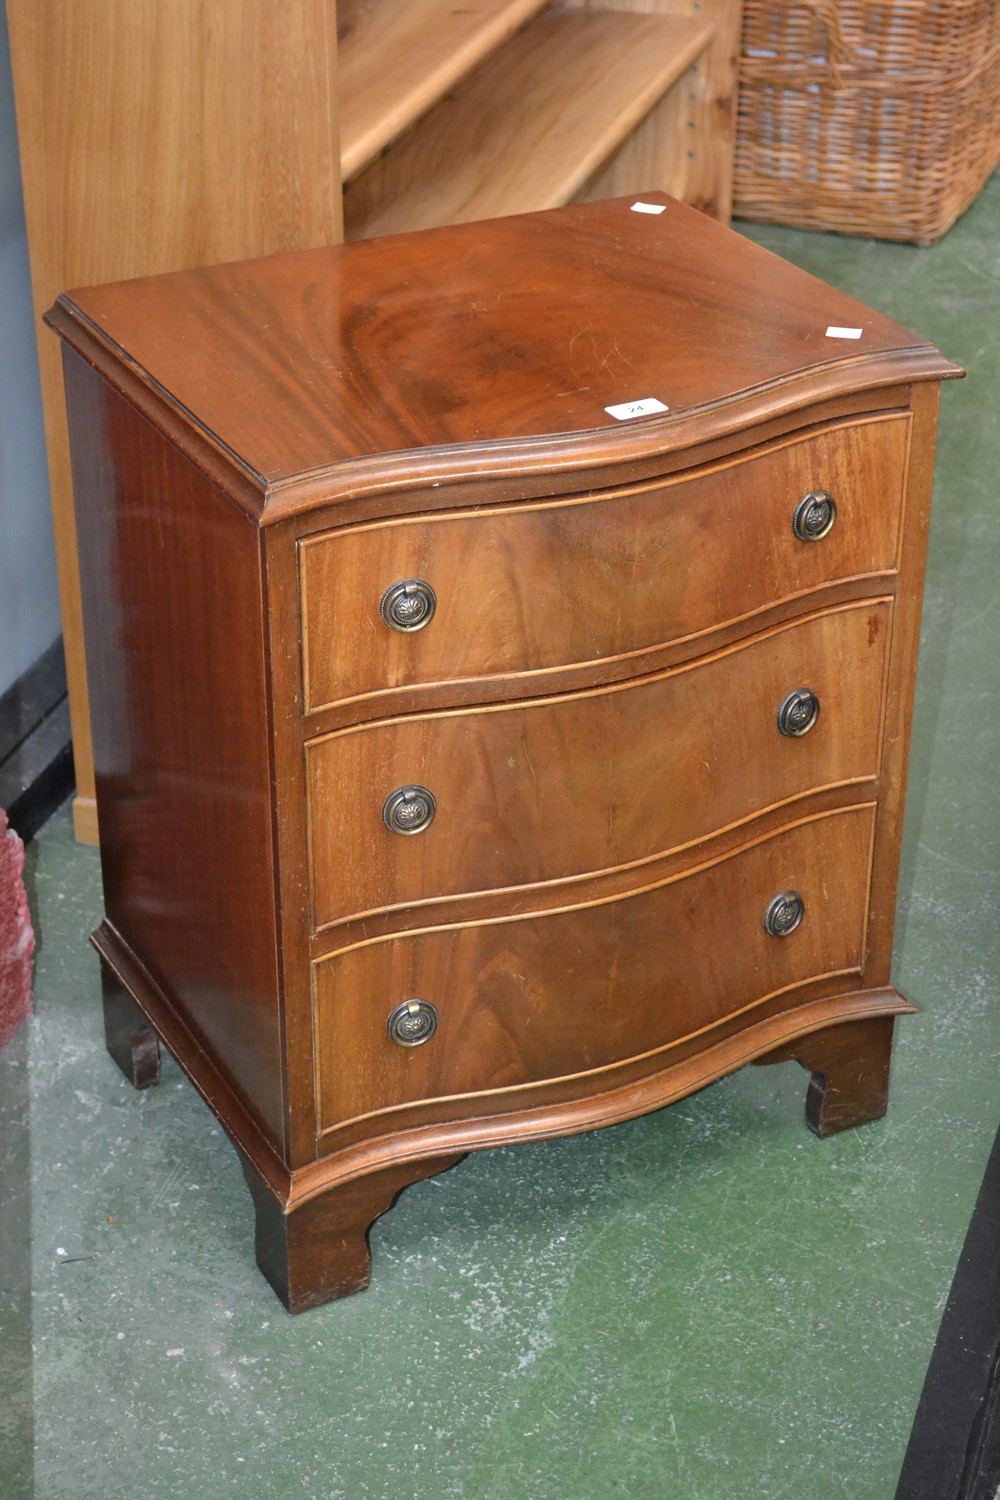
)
(17, 941)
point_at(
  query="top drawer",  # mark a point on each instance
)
(549, 586)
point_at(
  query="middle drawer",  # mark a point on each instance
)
(440, 805)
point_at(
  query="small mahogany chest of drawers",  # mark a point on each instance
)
(501, 645)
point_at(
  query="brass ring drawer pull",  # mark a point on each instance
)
(798, 713)
(412, 1023)
(814, 516)
(409, 809)
(408, 605)
(784, 914)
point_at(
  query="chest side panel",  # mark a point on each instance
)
(173, 618)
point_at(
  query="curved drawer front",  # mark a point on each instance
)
(537, 998)
(553, 789)
(548, 586)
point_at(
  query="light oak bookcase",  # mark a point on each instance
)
(156, 137)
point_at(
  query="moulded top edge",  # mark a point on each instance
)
(541, 339)
(601, 450)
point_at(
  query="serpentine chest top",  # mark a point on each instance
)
(501, 645)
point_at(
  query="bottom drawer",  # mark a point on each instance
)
(525, 1000)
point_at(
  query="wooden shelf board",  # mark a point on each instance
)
(531, 125)
(397, 58)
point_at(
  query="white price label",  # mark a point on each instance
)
(648, 208)
(629, 409)
(844, 333)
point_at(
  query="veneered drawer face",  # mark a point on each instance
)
(552, 789)
(550, 586)
(572, 992)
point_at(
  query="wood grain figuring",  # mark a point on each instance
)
(535, 122)
(431, 341)
(535, 587)
(535, 792)
(147, 143)
(396, 61)
(632, 976)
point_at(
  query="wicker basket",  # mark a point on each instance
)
(874, 117)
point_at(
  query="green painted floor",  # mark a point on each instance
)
(706, 1304)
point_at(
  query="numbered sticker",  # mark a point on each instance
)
(629, 409)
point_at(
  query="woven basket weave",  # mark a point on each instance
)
(873, 117)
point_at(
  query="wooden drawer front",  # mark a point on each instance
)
(549, 586)
(534, 998)
(552, 789)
